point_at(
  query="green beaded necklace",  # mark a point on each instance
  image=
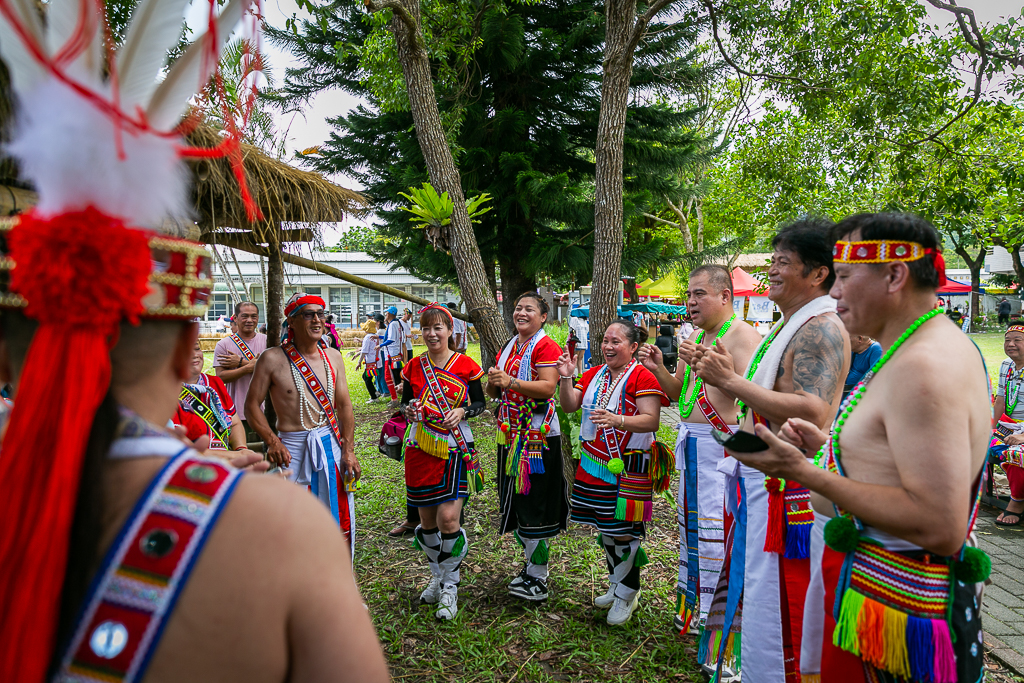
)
(686, 405)
(858, 391)
(761, 350)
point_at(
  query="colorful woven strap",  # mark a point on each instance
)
(193, 402)
(243, 347)
(315, 387)
(710, 413)
(145, 570)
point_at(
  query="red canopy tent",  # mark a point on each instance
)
(745, 284)
(953, 287)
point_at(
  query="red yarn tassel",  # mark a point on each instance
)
(775, 537)
(97, 269)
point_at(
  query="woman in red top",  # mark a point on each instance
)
(533, 496)
(615, 480)
(206, 408)
(440, 389)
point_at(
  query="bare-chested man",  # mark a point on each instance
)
(306, 380)
(797, 371)
(904, 460)
(701, 507)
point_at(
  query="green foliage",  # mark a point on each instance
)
(434, 211)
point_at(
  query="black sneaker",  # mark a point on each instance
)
(518, 580)
(530, 588)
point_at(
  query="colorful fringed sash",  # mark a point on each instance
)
(1008, 455)
(635, 502)
(474, 477)
(526, 445)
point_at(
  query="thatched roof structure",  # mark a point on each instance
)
(285, 194)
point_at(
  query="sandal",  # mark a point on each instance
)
(1001, 519)
(402, 529)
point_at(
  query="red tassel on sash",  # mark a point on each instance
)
(775, 536)
(95, 271)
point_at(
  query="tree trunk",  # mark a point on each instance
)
(699, 205)
(684, 223)
(974, 263)
(513, 283)
(275, 295)
(1018, 267)
(275, 313)
(611, 127)
(469, 265)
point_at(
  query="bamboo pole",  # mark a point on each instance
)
(227, 240)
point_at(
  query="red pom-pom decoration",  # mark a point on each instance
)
(546, 429)
(505, 426)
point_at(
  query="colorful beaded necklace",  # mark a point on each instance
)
(761, 350)
(686, 405)
(858, 391)
(1013, 389)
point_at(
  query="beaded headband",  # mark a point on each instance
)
(179, 281)
(887, 251)
(1014, 328)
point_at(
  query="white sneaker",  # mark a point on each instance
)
(622, 610)
(432, 592)
(372, 400)
(729, 675)
(448, 606)
(607, 599)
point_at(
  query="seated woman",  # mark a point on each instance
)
(440, 389)
(1008, 428)
(206, 408)
(622, 466)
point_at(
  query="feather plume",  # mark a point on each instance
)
(25, 70)
(68, 149)
(191, 71)
(154, 29)
(62, 20)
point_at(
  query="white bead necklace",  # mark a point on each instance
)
(308, 407)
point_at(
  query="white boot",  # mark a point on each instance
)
(607, 599)
(432, 592)
(622, 610)
(448, 602)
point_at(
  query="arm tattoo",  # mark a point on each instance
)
(818, 359)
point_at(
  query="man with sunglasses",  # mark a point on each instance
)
(315, 442)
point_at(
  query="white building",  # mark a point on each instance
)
(349, 303)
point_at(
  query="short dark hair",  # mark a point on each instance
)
(905, 227)
(541, 303)
(718, 276)
(811, 240)
(238, 308)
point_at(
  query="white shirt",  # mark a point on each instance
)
(395, 336)
(369, 350)
(460, 328)
(407, 330)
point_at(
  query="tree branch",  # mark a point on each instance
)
(402, 13)
(642, 21)
(659, 220)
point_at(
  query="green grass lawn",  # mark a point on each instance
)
(496, 637)
(991, 345)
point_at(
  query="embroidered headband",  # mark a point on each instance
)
(887, 251)
(1014, 328)
(438, 307)
(299, 300)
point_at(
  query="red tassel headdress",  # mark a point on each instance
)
(95, 135)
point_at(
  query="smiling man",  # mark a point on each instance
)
(797, 371)
(702, 532)
(902, 468)
(315, 443)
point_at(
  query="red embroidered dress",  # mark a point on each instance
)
(434, 468)
(594, 499)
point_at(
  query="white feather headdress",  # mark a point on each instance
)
(93, 130)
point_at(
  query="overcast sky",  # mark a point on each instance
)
(311, 128)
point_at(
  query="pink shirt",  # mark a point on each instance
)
(240, 387)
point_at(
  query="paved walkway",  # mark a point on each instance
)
(1003, 604)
